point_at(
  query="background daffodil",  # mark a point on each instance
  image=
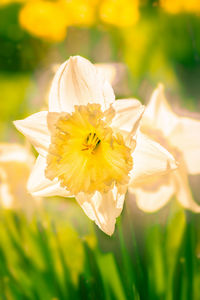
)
(44, 19)
(128, 16)
(177, 6)
(89, 145)
(13, 191)
(180, 136)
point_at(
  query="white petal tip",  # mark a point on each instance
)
(16, 124)
(75, 59)
(142, 109)
(160, 86)
(174, 164)
(19, 125)
(106, 231)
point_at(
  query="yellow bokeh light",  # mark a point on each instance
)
(120, 13)
(78, 12)
(44, 19)
(177, 6)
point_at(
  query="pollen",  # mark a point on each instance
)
(92, 141)
(85, 154)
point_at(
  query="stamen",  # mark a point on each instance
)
(92, 141)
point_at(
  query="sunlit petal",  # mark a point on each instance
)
(186, 138)
(16, 162)
(35, 128)
(149, 158)
(15, 152)
(77, 82)
(102, 208)
(39, 185)
(158, 112)
(128, 114)
(183, 192)
(113, 72)
(151, 198)
(6, 197)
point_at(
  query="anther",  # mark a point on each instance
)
(92, 141)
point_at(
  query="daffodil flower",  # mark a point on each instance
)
(178, 6)
(87, 143)
(44, 19)
(180, 135)
(120, 13)
(16, 163)
(79, 12)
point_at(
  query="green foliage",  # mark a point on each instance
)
(43, 259)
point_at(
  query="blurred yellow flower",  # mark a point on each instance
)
(6, 2)
(79, 12)
(120, 13)
(16, 163)
(44, 19)
(180, 136)
(176, 6)
(89, 144)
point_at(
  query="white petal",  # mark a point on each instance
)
(39, 185)
(6, 195)
(183, 193)
(186, 138)
(152, 197)
(77, 82)
(149, 159)
(128, 114)
(15, 152)
(109, 70)
(159, 114)
(55, 104)
(102, 208)
(35, 128)
(113, 72)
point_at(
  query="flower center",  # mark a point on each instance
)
(85, 154)
(91, 143)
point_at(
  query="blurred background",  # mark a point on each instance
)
(48, 248)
